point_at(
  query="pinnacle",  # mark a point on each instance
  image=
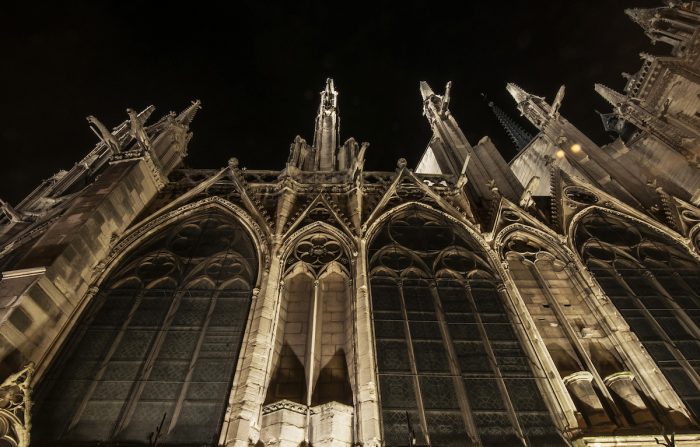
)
(187, 115)
(425, 90)
(641, 17)
(518, 94)
(609, 94)
(330, 86)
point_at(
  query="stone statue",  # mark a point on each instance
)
(137, 131)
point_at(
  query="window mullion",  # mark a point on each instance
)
(105, 362)
(193, 360)
(660, 331)
(574, 340)
(412, 362)
(147, 368)
(685, 320)
(494, 365)
(456, 371)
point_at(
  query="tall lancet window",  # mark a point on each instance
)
(158, 343)
(447, 350)
(312, 363)
(655, 284)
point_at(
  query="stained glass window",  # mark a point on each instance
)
(448, 356)
(654, 283)
(159, 342)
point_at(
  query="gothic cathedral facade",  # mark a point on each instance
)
(550, 301)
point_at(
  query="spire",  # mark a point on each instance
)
(327, 128)
(614, 98)
(186, 116)
(535, 108)
(448, 145)
(518, 94)
(519, 136)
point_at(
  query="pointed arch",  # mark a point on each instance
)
(447, 350)
(313, 357)
(142, 231)
(296, 248)
(167, 344)
(576, 335)
(376, 224)
(652, 276)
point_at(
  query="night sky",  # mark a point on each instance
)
(258, 69)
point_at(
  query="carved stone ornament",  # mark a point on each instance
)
(318, 250)
(580, 195)
(15, 408)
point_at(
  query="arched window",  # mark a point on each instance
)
(654, 283)
(448, 356)
(157, 344)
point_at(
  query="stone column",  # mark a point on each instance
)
(581, 388)
(242, 424)
(367, 404)
(622, 384)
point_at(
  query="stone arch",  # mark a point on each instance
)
(346, 246)
(443, 340)
(312, 367)
(380, 221)
(652, 277)
(597, 376)
(161, 336)
(148, 227)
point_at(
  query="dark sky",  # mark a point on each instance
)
(258, 69)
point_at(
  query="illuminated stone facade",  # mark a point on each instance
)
(550, 301)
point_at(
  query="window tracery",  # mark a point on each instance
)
(159, 341)
(447, 354)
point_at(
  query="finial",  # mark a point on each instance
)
(233, 163)
(446, 98)
(187, 116)
(401, 163)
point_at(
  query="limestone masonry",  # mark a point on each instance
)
(553, 300)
